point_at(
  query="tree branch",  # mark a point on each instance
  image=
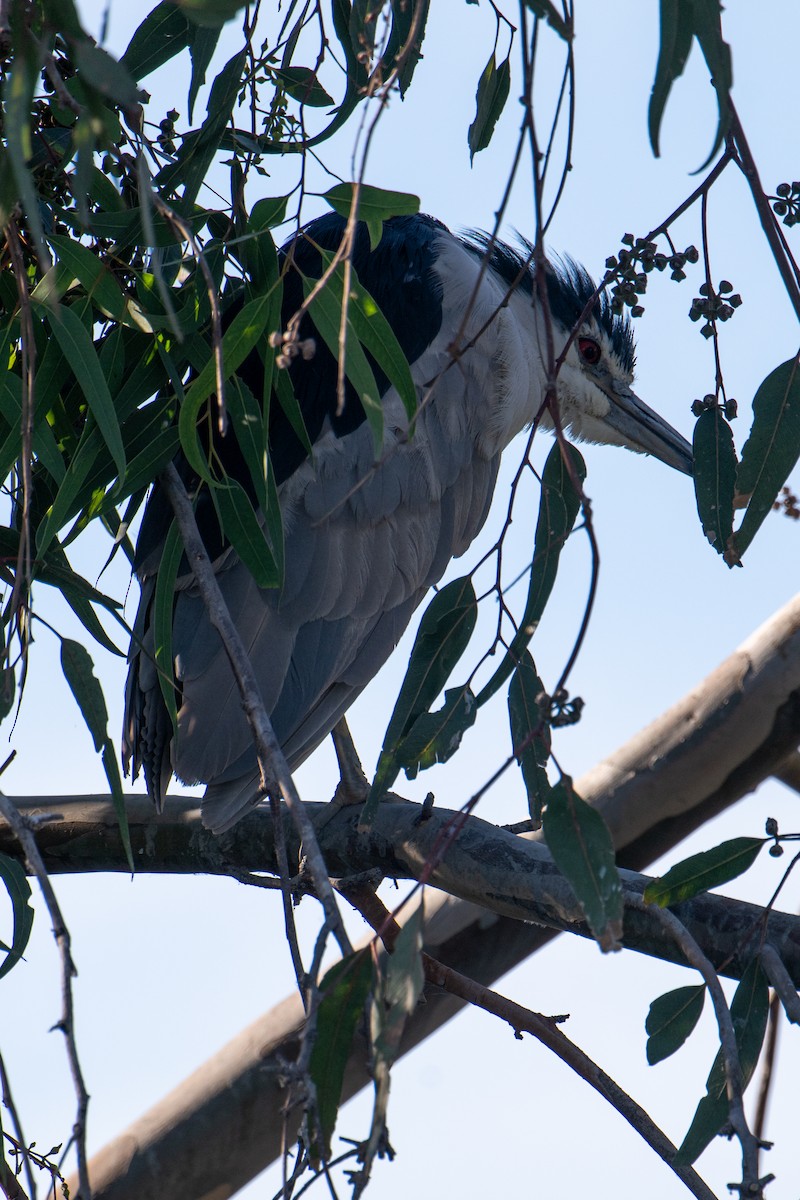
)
(705, 753)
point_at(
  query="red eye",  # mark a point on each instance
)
(589, 350)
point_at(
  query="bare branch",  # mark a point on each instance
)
(66, 1024)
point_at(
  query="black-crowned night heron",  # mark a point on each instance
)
(366, 539)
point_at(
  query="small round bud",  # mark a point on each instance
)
(777, 850)
(771, 827)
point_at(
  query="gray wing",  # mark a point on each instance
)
(364, 543)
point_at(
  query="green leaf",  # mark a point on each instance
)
(242, 335)
(673, 51)
(671, 1019)
(702, 871)
(717, 53)
(18, 93)
(378, 337)
(79, 350)
(581, 845)
(375, 205)
(344, 992)
(101, 72)
(197, 150)
(490, 99)
(326, 312)
(435, 736)
(681, 22)
(301, 84)
(163, 603)
(95, 276)
(8, 685)
(213, 13)
(243, 530)
(19, 893)
(268, 212)
(443, 634)
(749, 1012)
(530, 734)
(548, 12)
(715, 478)
(202, 44)
(558, 508)
(395, 995)
(409, 18)
(162, 34)
(78, 668)
(771, 451)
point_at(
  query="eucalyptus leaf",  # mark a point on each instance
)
(344, 991)
(749, 1012)
(581, 845)
(671, 1019)
(19, 893)
(771, 451)
(699, 872)
(442, 637)
(436, 736)
(530, 734)
(714, 478)
(490, 100)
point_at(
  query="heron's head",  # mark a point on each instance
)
(596, 398)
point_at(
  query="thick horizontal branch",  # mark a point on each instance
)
(510, 876)
(223, 1125)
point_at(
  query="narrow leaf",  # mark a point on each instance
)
(301, 84)
(78, 668)
(749, 1012)
(79, 350)
(702, 871)
(326, 313)
(244, 332)
(162, 34)
(163, 601)
(443, 634)
(675, 44)
(344, 992)
(558, 508)
(378, 337)
(530, 734)
(435, 736)
(490, 99)
(714, 477)
(581, 845)
(244, 531)
(19, 893)
(671, 1019)
(375, 205)
(202, 44)
(772, 449)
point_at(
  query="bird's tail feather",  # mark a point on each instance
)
(226, 803)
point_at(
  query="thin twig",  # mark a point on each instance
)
(66, 1024)
(778, 976)
(786, 266)
(272, 762)
(8, 1102)
(768, 1069)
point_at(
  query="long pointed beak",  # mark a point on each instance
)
(642, 429)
